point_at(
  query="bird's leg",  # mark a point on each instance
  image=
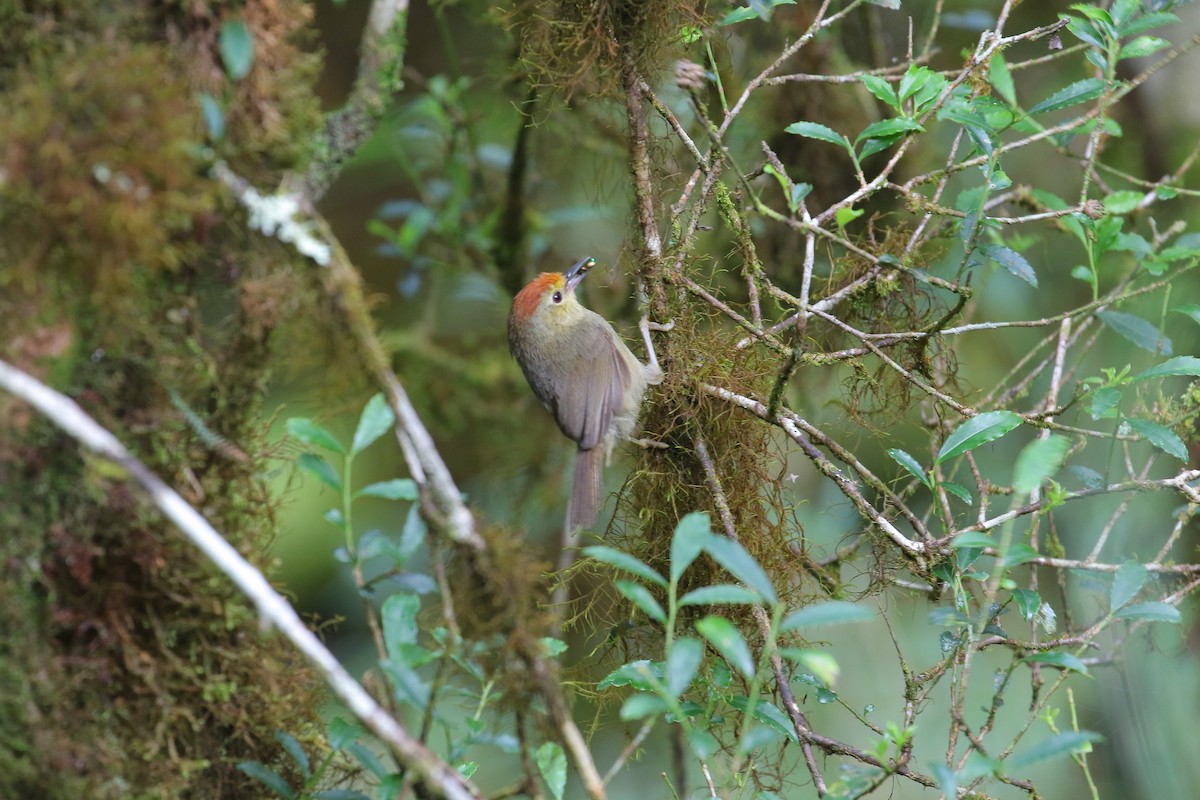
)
(650, 444)
(645, 325)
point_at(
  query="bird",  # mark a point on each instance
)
(584, 374)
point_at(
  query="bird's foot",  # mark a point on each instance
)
(653, 371)
(650, 444)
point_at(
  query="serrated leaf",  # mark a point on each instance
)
(1039, 460)
(978, 430)
(1060, 744)
(959, 491)
(684, 660)
(1011, 260)
(1122, 202)
(552, 764)
(397, 489)
(1162, 438)
(275, 782)
(1180, 365)
(622, 560)
(815, 130)
(640, 596)
(728, 641)
(828, 612)
(734, 558)
(1078, 92)
(1000, 78)
(1151, 612)
(721, 594)
(688, 540)
(319, 468)
(376, 420)
(1136, 330)
(1104, 402)
(911, 464)
(888, 129)
(1127, 582)
(1060, 660)
(310, 432)
(882, 90)
(1142, 46)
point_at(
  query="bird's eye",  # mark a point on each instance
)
(557, 297)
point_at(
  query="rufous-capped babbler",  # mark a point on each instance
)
(583, 373)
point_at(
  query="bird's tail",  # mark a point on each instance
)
(586, 487)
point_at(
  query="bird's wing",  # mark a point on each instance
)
(587, 403)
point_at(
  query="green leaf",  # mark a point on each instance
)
(275, 782)
(959, 491)
(1136, 330)
(1127, 582)
(1001, 79)
(398, 489)
(720, 595)
(214, 116)
(552, 763)
(1190, 309)
(640, 596)
(1142, 46)
(643, 705)
(1122, 202)
(376, 420)
(1012, 261)
(310, 432)
(642, 675)
(881, 89)
(1018, 553)
(1060, 660)
(947, 782)
(1078, 92)
(295, 750)
(828, 612)
(691, 534)
(978, 430)
(799, 192)
(844, 216)
(1151, 612)
(1028, 602)
(622, 560)
(1148, 22)
(814, 130)
(1162, 438)
(399, 615)
(733, 557)
(1180, 365)
(888, 129)
(821, 664)
(342, 733)
(911, 464)
(1060, 744)
(972, 539)
(368, 759)
(1104, 402)
(237, 49)
(767, 713)
(728, 641)
(319, 468)
(686, 656)
(1039, 460)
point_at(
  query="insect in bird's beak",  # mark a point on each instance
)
(577, 271)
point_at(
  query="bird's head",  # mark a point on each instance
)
(550, 297)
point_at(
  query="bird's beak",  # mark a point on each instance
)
(577, 272)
